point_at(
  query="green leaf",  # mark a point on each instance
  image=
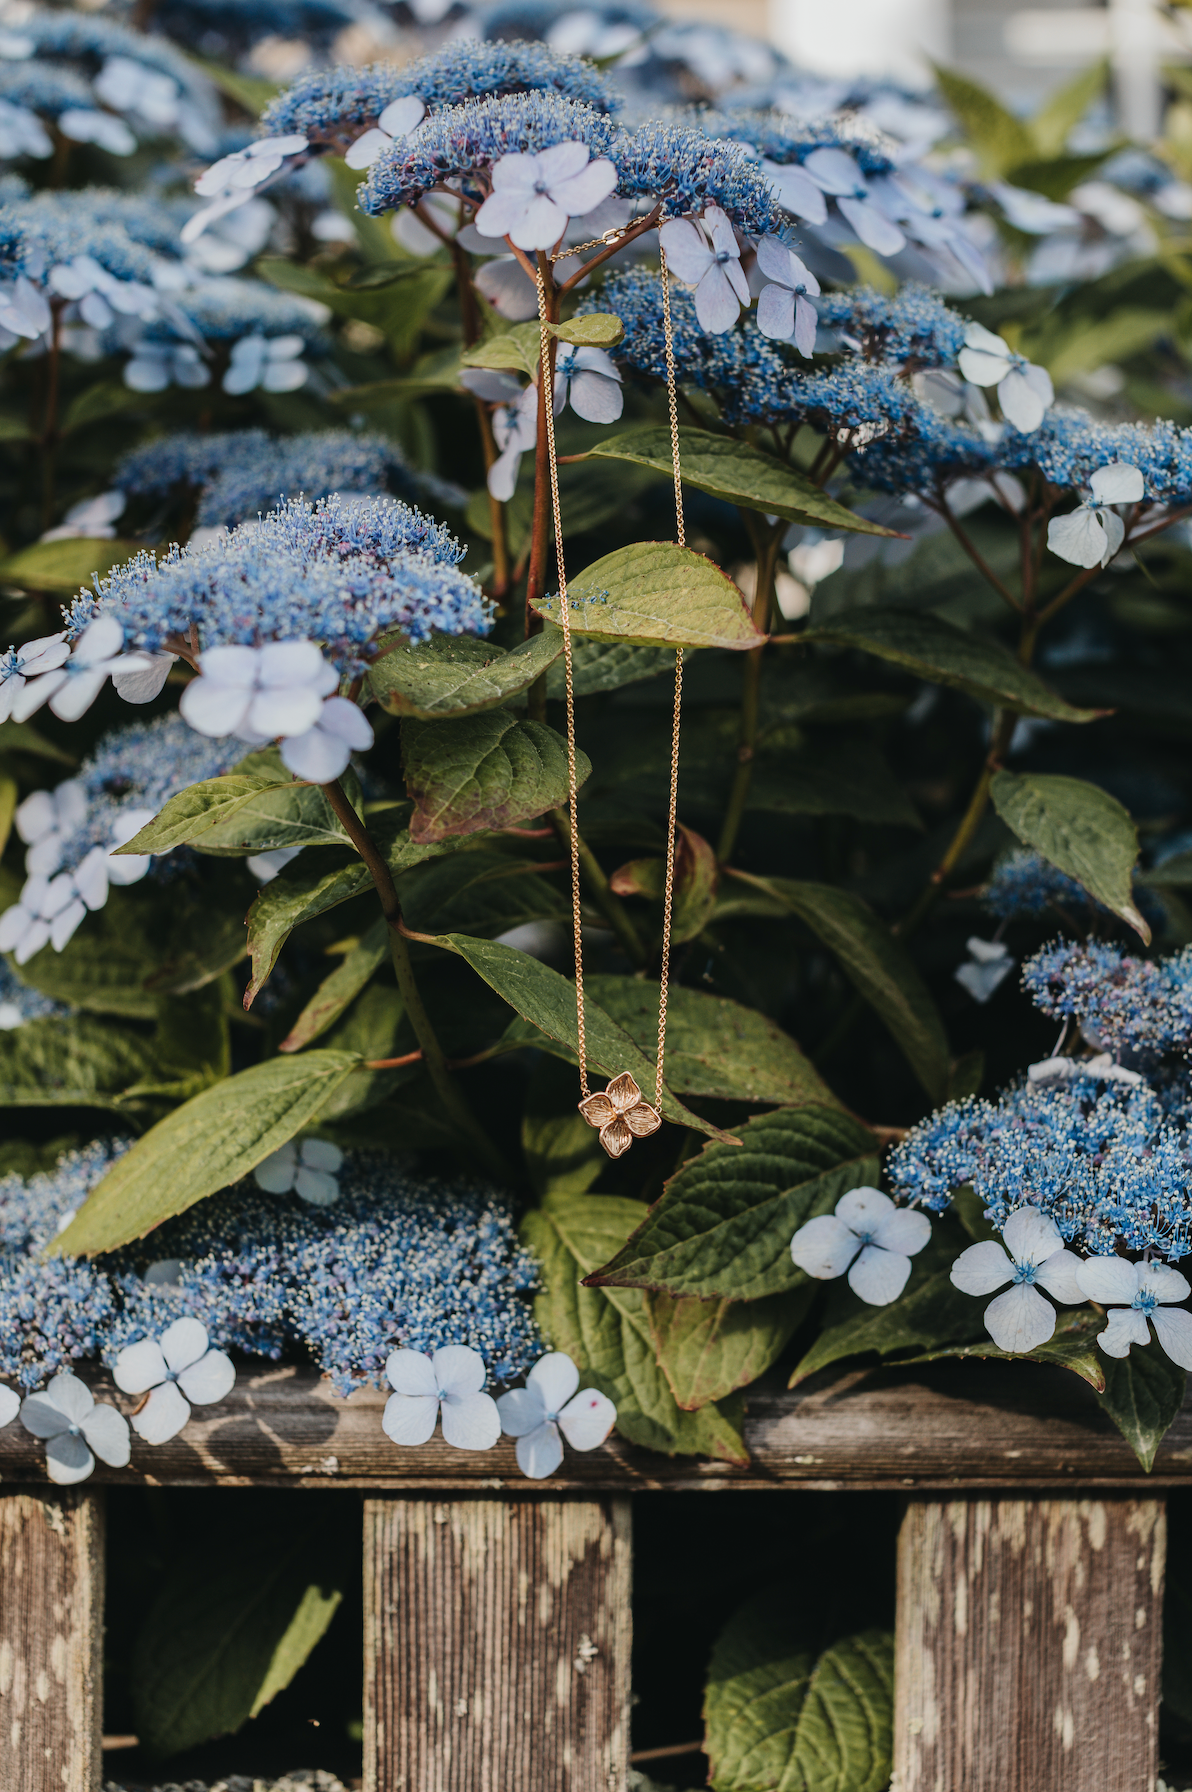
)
(13, 429)
(738, 473)
(454, 675)
(708, 1349)
(832, 773)
(655, 594)
(936, 650)
(547, 1000)
(1127, 331)
(1177, 871)
(98, 402)
(192, 1047)
(251, 92)
(1143, 1394)
(515, 351)
(478, 892)
(489, 770)
(595, 329)
(929, 1315)
(563, 1153)
(608, 1334)
(221, 1640)
(23, 737)
(240, 814)
(397, 310)
(724, 1223)
(210, 1142)
(70, 1061)
(607, 665)
(338, 991)
(62, 567)
(878, 966)
(1081, 829)
(715, 1048)
(781, 1718)
(1000, 139)
(1063, 110)
(696, 877)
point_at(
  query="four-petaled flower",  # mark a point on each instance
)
(590, 381)
(279, 691)
(272, 362)
(1144, 1291)
(869, 1233)
(234, 179)
(533, 196)
(1024, 392)
(784, 309)
(1092, 535)
(398, 119)
(1034, 1252)
(835, 171)
(621, 1114)
(70, 686)
(714, 270)
(450, 1381)
(309, 1169)
(76, 1429)
(549, 1405)
(174, 1370)
(515, 430)
(20, 664)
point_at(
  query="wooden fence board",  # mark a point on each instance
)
(975, 1425)
(51, 1631)
(496, 1637)
(1028, 1645)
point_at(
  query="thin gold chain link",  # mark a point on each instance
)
(598, 242)
(671, 829)
(547, 389)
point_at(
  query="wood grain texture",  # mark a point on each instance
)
(496, 1645)
(1028, 1645)
(51, 1635)
(980, 1425)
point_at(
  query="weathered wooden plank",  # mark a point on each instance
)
(496, 1652)
(1029, 1639)
(979, 1425)
(51, 1632)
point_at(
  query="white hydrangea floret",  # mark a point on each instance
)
(551, 1407)
(1134, 1294)
(10, 1404)
(71, 687)
(398, 119)
(1024, 392)
(92, 519)
(784, 308)
(857, 201)
(175, 1371)
(589, 380)
(1092, 535)
(449, 1382)
(988, 965)
(870, 1234)
(534, 195)
(310, 1169)
(515, 430)
(233, 180)
(76, 1429)
(274, 363)
(279, 691)
(712, 267)
(1033, 1252)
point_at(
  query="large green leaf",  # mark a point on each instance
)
(714, 1047)
(737, 472)
(210, 1142)
(455, 675)
(1000, 139)
(930, 1314)
(238, 814)
(938, 651)
(547, 1000)
(63, 566)
(606, 666)
(1081, 829)
(830, 773)
(339, 990)
(397, 310)
(877, 964)
(563, 1153)
(222, 1639)
(781, 1717)
(1063, 110)
(1142, 1395)
(608, 1333)
(518, 350)
(723, 1225)
(72, 1061)
(483, 771)
(708, 1349)
(656, 594)
(479, 892)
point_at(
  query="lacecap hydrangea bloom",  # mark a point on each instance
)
(1132, 1007)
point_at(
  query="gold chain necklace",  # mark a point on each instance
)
(620, 1111)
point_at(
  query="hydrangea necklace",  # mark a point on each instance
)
(620, 1111)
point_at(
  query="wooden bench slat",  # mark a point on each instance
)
(51, 1640)
(496, 1645)
(1028, 1645)
(978, 1425)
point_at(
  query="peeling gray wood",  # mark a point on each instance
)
(51, 1634)
(1028, 1645)
(496, 1645)
(970, 1425)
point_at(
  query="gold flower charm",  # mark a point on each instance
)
(621, 1115)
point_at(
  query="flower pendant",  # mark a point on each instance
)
(621, 1115)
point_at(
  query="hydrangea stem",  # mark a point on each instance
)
(766, 543)
(540, 527)
(473, 1137)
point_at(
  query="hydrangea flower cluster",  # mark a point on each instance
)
(1134, 1008)
(243, 472)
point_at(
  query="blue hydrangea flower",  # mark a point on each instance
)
(1130, 1006)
